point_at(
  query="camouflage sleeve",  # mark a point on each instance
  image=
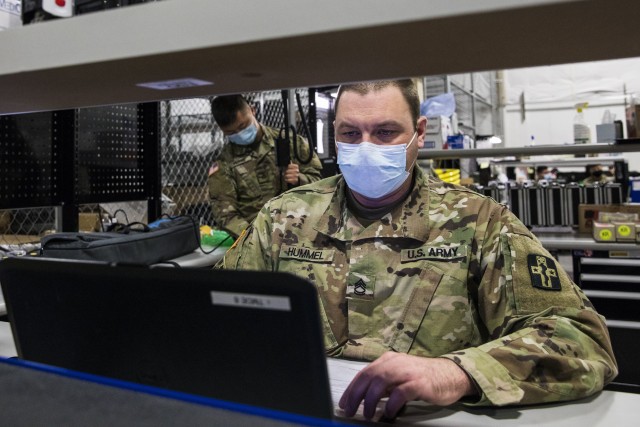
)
(311, 171)
(546, 342)
(223, 200)
(251, 251)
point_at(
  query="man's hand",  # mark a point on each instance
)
(403, 378)
(292, 174)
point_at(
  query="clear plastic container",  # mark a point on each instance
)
(581, 131)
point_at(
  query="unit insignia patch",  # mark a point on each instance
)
(544, 273)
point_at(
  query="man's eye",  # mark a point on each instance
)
(350, 133)
(386, 132)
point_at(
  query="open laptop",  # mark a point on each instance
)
(248, 337)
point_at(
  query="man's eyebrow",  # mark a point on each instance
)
(386, 123)
(346, 125)
(389, 123)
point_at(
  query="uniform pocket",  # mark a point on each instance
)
(246, 179)
(408, 324)
(314, 265)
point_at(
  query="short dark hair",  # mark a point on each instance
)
(407, 88)
(225, 108)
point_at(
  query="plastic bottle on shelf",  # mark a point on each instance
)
(581, 131)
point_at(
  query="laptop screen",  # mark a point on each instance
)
(248, 337)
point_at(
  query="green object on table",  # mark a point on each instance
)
(217, 238)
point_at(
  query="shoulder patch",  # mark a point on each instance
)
(544, 273)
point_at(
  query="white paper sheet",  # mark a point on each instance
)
(341, 372)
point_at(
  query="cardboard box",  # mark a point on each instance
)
(5, 221)
(633, 121)
(625, 231)
(604, 232)
(589, 213)
(89, 222)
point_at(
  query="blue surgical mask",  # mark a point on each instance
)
(246, 136)
(373, 170)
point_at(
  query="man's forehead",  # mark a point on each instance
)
(242, 117)
(373, 92)
(387, 103)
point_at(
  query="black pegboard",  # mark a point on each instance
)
(110, 154)
(73, 157)
(28, 170)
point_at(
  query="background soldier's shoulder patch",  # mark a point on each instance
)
(544, 273)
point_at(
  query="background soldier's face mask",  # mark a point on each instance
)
(373, 170)
(246, 136)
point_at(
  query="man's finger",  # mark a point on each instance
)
(355, 393)
(377, 390)
(398, 398)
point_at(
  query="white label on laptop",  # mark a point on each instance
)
(264, 302)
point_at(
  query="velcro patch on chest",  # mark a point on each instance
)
(439, 253)
(544, 273)
(306, 254)
(360, 286)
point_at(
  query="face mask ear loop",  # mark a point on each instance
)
(412, 139)
(407, 150)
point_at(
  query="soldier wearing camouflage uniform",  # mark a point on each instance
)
(245, 175)
(444, 289)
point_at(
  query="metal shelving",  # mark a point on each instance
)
(572, 241)
(530, 151)
(46, 66)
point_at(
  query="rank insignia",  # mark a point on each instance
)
(544, 273)
(360, 286)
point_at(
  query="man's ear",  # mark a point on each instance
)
(253, 110)
(422, 130)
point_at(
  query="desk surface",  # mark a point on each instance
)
(608, 408)
(200, 259)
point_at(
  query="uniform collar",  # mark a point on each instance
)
(410, 219)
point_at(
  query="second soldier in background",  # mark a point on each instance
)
(245, 175)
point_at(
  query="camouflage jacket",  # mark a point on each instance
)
(244, 178)
(449, 273)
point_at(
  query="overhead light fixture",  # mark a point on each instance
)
(175, 84)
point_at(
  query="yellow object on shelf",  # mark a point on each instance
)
(452, 176)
